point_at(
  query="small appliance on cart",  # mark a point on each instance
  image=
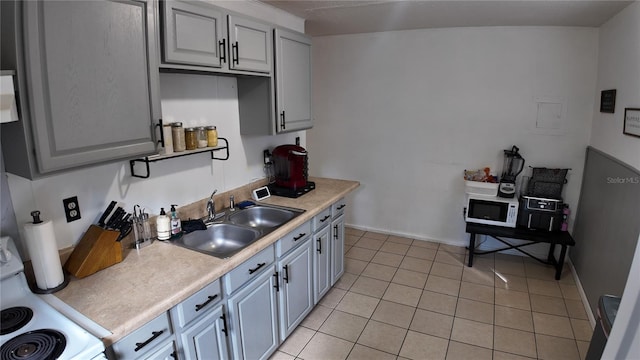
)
(31, 328)
(511, 168)
(541, 206)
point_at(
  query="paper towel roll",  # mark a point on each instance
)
(43, 250)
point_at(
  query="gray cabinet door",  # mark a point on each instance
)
(337, 248)
(296, 291)
(206, 340)
(253, 318)
(193, 34)
(93, 80)
(322, 263)
(250, 45)
(293, 81)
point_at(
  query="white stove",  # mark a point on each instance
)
(33, 329)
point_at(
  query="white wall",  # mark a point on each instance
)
(619, 68)
(192, 99)
(406, 112)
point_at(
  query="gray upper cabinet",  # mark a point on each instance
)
(250, 45)
(91, 83)
(293, 81)
(193, 34)
(203, 37)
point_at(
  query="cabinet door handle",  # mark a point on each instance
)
(224, 324)
(251, 271)
(222, 45)
(285, 277)
(300, 236)
(235, 53)
(209, 299)
(160, 125)
(319, 250)
(341, 206)
(325, 218)
(174, 354)
(277, 285)
(155, 334)
(282, 124)
(335, 232)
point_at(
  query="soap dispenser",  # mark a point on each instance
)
(163, 225)
(176, 224)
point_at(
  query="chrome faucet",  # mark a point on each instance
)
(211, 207)
(232, 203)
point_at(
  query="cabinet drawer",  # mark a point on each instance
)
(196, 304)
(293, 238)
(248, 270)
(337, 208)
(147, 337)
(321, 220)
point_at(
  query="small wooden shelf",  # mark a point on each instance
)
(153, 158)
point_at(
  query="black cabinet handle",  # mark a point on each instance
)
(325, 218)
(285, 277)
(224, 324)
(174, 354)
(319, 250)
(335, 232)
(235, 54)
(160, 125)
(282, 124)
(251, 271)
(223, 50)
(209, 299)
(341, 206)
(155, 334)
(300, 236)
(277, 285)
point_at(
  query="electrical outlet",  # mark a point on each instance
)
(71, 208)
(298, 140)
(267, 157)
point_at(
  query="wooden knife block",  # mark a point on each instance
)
(97, 250)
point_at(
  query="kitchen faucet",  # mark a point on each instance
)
(211, 207)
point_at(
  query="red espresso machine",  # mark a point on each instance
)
(291, 165)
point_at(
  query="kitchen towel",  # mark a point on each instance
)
(43, 251)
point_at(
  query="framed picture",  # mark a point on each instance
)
(632, 122)
(608, 101)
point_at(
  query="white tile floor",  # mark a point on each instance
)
(410, 299)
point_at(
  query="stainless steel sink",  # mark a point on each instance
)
(219, 240)
(235, 230)
(262, 217)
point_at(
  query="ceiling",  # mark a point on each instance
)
(331, 17)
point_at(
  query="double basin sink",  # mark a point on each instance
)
(235, 230)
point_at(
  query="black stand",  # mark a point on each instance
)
(553, 238)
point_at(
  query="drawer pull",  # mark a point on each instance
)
(209, 300)
(251, 271)
(325, 218)
(319, 250)
(299, 236)
(153, 337)
(341, 206)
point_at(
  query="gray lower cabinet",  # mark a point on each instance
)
(89, 71)
(296, 287)
(207, 338)
(200, 36)
(150, 341)
(253, 317)
(322, 263)
(337, 248)
(164, 352)
(293, 81)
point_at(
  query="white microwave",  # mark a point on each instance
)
(491, 210)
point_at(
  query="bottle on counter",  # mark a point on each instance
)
(212, 136)
(202, 137)
(176, 224)
(191, 138)
(163, 225)
(177, 132)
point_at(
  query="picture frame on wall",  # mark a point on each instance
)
(608, 101)
(632, 122)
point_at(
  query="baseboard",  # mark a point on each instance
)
(463, 243)
(583, 296)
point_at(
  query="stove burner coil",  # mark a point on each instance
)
(43, 344)
(12, 319)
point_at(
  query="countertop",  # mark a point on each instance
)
(152, 280)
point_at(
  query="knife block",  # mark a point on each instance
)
(97, 250)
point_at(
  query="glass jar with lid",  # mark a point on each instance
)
(202, 137)
(177, 135)
(191, 138)
(212, 136)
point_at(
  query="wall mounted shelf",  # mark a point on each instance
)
(153, 158)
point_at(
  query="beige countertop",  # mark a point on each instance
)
(152, 280)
